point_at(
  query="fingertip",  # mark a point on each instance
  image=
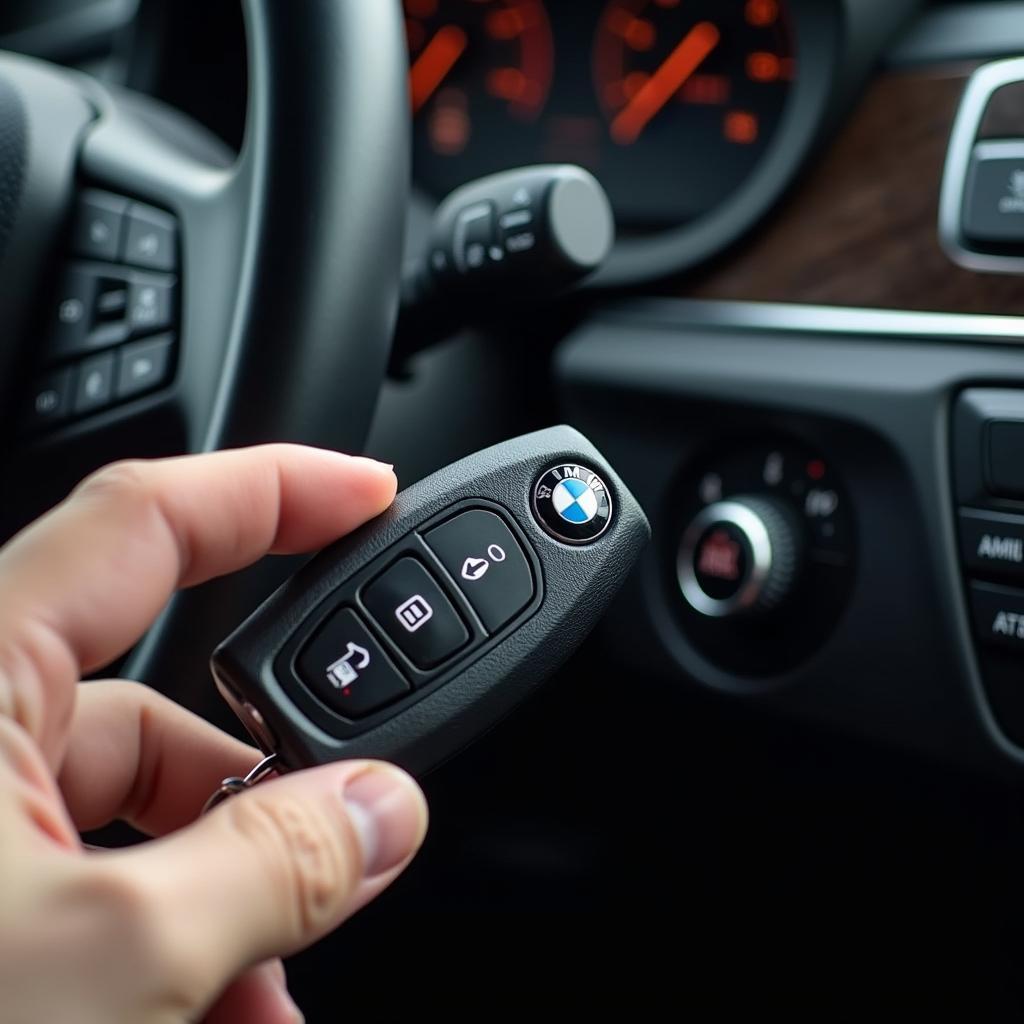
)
(326, 494)
(377, 478)
(384, 472)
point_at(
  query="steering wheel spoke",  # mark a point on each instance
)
(264, 283)
(184, 194)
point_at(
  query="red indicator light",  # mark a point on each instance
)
(741, 127)
(816, 469)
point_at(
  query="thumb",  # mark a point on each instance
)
(274, 869)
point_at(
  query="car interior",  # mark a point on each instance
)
(767, 257)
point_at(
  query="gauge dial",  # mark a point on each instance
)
(700, 83)
(480, 74)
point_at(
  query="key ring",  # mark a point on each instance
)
(230, 786)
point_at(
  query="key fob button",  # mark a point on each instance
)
(347, 669)
(486, 561)
(411, 608)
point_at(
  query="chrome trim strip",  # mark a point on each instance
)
(977, 93)
(792, 318)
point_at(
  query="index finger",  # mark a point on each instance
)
(81, 585)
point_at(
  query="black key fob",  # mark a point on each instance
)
(415, 634)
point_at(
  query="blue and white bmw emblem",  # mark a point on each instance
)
(572, 503)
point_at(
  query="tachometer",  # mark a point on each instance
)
(480, 74)
(692, 91)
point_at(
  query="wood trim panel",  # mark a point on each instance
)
(859, 228)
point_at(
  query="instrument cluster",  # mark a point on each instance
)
(672, 104)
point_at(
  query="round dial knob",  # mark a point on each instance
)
(740, 555)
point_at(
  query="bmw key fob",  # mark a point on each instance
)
(415, 634)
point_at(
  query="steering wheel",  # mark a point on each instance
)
(288, 267)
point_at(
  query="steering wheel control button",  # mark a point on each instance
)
(144, 365)
(998, 615)
(486, 561)
(992, 543)
(95, 388)
(572, 503)
(151, 240)
(99, 226)
(407, 603)
(737, 556)
(51, 400)
(151, 305)
(73, 314)
(347, 669)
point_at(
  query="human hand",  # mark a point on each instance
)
(185, 927)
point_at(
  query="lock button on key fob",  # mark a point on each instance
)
(484, 558)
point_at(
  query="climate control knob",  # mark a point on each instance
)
(739, 556)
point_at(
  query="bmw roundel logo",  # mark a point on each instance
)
(572, 503)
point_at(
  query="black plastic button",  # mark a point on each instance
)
(72, 313)
(411, 608)
(486, 561)
(347, 669)
(95, 387)
(994, 200)
(998, 615)
(50, 399)
(99, 226)
(1006, 458)
(144, 365)
(151, 239)
(112, 301)
(88, 311)
(991, 542)
(150, 306)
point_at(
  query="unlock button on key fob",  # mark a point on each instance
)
(347, 669)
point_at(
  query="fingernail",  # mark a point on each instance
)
(375, 463)
(389, 814)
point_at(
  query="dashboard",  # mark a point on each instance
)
(693, 115)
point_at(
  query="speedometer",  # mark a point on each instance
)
(692, 91)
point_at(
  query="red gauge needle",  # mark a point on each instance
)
(433, 64)
(682, 62)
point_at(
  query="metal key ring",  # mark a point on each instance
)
(232, 785)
